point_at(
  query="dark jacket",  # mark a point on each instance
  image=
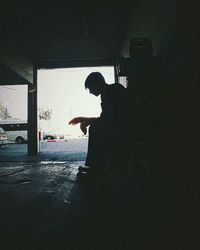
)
(113, 104)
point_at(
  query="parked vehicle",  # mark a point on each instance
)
(17, 131)
(52, 136)
(49, 136)
(3, 137)
(60, 136)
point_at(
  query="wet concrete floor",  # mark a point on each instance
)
(44, 206)
(35, 199)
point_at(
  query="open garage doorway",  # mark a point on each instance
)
(62, 96)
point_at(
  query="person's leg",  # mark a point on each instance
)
(97, 146)
(118, 149)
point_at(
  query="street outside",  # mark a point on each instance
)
(70, 149)
(68, 145)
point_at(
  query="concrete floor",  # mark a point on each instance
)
(35, 201)
(44, 206)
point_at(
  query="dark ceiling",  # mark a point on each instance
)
(54, 33)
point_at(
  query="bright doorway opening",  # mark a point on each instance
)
(62, 96)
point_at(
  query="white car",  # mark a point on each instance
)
(3, 137)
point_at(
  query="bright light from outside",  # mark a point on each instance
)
(13, 102)
(62, 92)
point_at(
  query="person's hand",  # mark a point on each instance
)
(83, 127)
(77, 120)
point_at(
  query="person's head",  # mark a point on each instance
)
(95, 82)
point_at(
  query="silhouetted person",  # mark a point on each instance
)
(105, 132)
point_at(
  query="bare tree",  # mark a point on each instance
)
(4, 113)
(45, 114)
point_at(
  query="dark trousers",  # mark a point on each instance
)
(106, 145)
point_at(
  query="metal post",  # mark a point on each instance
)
(32, 115)
(116, 73)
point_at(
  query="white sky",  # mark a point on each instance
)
(63, 91)
(14, 98)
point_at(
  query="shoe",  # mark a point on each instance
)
(83, 169)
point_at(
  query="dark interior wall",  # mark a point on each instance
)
(173, 29)
(178, 114)
(171, 84)
(155, 19)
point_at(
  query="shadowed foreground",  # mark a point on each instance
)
(44, 206)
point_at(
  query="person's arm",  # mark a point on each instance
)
(84, 122)
(81, 119)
